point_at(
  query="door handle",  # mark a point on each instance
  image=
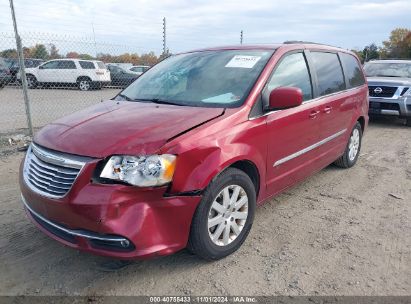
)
(314, 114)
(327, 110)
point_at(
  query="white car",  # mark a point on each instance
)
(138, 69)
(85, 74)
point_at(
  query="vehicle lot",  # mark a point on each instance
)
(341, 232)
(46, 105)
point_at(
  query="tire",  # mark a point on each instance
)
(84, 84)
(32, 82)
(408, 122)
(2, 85)
(353, 148)
(236, 220)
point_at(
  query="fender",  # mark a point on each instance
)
(198, 164)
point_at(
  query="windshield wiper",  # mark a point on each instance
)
(160, 101)
(386, 76)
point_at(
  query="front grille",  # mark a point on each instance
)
(382, 91)
(51, 173)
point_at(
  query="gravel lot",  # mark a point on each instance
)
(341, 232)
(46, 105)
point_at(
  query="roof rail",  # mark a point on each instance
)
(305, 42)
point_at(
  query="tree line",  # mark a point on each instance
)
(397, 46)
(40, 51)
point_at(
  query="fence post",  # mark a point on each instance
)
(22, 71)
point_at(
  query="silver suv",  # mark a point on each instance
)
(389, 84)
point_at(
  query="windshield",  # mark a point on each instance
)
(204, 79)
(387, 69)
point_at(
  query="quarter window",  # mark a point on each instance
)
(292, 71)
(88, 65)
(329, 73)
(352, 70)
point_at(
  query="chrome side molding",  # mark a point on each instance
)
(309, 148)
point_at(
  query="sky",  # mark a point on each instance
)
(136, 26)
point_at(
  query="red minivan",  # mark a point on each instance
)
(182, 157)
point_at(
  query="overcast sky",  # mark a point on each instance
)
(137, 25)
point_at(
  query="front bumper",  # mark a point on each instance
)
(400, 107)
(113, 220)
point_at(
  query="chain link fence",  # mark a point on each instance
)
(64, 74)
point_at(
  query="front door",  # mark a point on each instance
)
(292, 134)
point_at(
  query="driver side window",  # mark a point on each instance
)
(292, 71)
(50, 65)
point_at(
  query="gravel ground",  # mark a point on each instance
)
(341, 232)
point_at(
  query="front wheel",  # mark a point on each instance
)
(408, 122)
(224, 216)
(352, 151)
(32, 82)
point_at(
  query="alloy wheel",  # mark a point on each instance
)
(228, 215)
(84, 85)
(354, 144)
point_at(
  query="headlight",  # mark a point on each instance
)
(408, 93)
(142, 171)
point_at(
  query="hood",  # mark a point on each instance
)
(123, 127)
(389, 81)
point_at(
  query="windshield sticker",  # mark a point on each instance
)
(241, 61)
(224, 98)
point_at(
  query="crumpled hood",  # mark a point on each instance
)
(388, 81)
(123, 127)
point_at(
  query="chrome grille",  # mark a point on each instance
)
(51, 173)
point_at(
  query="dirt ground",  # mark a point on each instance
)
(341, 232)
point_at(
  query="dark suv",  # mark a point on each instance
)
(5, 74)
(389, 84)
(28, 63)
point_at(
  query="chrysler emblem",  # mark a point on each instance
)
(378, 90)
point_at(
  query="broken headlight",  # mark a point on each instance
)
(142, 171)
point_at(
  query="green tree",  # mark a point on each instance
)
(85, 56)
(398, 45)
(370, 52)
(9, 53)
(39, 51)
(54, 52)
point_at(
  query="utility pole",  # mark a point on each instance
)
(22, 71)
(164, 36)
(94, 39)
(241, 37)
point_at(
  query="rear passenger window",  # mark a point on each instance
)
(88, 65)
(352, 70)
(329, 73)
(66, 65)
(292, 71)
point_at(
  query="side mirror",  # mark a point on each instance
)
(285, 97)
(41, 67)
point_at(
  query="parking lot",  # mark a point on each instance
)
(46, 105)
(341, 232)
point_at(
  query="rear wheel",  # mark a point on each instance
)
(352, 151)
(84, 84)
(32, 82)
(224, 217)
(408, 121)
